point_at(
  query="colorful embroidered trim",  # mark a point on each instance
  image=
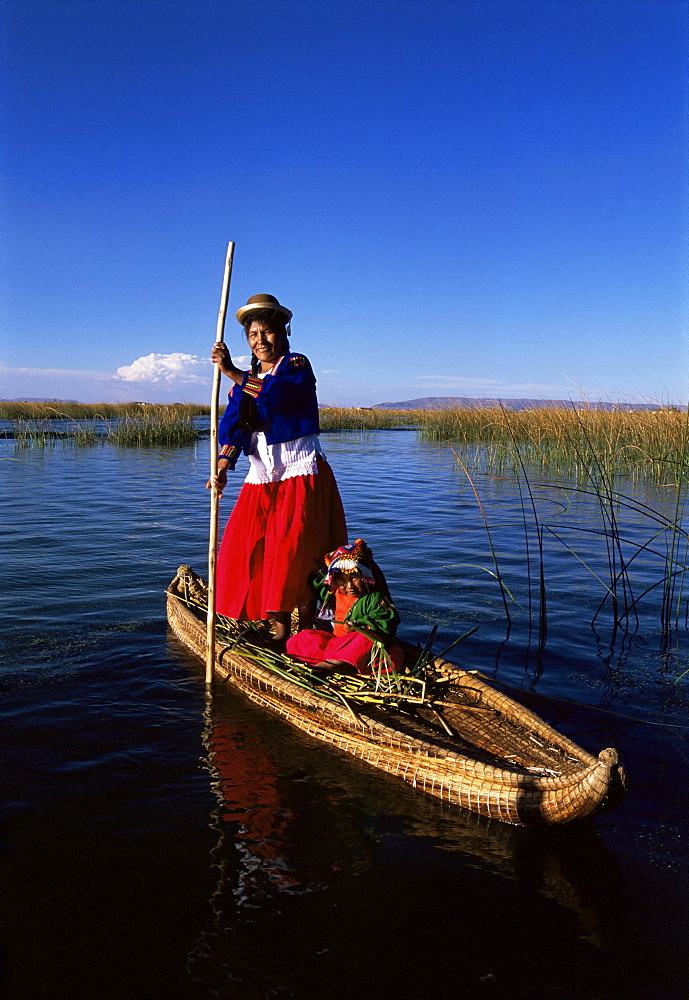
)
(227, 451)
(297, 361)
(252, 386)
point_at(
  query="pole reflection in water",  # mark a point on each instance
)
(248, 857)
(278, 837)
(245, 786)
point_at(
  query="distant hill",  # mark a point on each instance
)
(474, 403)
(37, 399)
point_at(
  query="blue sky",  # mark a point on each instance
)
(455, 198)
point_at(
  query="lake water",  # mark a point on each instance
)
(164, 846)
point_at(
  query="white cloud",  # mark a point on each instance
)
(170, 369)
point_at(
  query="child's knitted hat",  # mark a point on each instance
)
(356, 558)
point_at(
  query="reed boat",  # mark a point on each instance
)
(442, 729)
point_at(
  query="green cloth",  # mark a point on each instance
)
(373, 611)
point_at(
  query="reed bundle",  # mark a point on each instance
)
(383, 687)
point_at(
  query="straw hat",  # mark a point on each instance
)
(263, 303)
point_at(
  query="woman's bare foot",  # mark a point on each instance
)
(332, 667)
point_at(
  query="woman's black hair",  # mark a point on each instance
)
(249, 419)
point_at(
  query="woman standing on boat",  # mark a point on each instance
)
(288, 513)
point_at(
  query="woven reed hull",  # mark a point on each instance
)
(543, 778)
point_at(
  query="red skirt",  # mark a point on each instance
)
(277, 534)
(313, 645)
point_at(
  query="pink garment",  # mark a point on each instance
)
(314, 645)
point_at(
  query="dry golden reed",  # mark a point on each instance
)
(62, 410)
(558, 441)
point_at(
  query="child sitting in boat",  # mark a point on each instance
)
(354, 596)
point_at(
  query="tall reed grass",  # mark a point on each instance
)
(154, 425)
(667, 543)
(42, 433)
(556, 441)
(567, 441)
(39, 425)
(340, 418)
(59, 410)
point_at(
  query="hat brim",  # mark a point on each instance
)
(246, 312)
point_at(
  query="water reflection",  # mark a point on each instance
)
(272, 843)
(245, 785)
(302, 834)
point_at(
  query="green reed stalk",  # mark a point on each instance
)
(503, 589)
(39, 434)
(611, 502)
(542, 602)
(154, 425)
(601, 475)
(636, 507)
(456, 642)
(671, 583)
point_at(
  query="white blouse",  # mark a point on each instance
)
(271, 463)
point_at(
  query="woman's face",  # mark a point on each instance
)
(267, 345)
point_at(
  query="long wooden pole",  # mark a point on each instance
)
(213, 535)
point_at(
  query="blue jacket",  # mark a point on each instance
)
(286, 403)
